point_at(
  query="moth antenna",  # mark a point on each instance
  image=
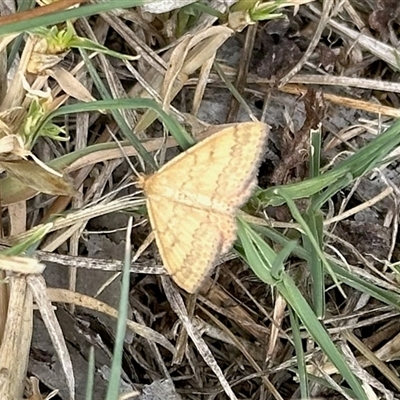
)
(131, 166)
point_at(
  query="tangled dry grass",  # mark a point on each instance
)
(82, 93)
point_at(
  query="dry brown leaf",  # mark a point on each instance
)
(160, 7)
(70, 84)
(67, 296)
(201, 48)
(16, 93)
(18, 215)
(175, 66)
(38, 286)
(35, 390)
(37, 178)
(7, 144)
(21, 265)
(41, 58)
(14, 350)
(6, 40)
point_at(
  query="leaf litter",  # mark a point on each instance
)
(235, 355)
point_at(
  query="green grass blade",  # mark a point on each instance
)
(343, 274)
(301, 362)
(315, 156)
(125, 129)
(90, 375)
(116, 367)
(310, 236)
(353, 167)
(300, 190)
(256, 259)
(314, 220)
(253, 244)
(29, 245)
(62, 16)
(114, 104)
(289, 291)
(280, 259)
